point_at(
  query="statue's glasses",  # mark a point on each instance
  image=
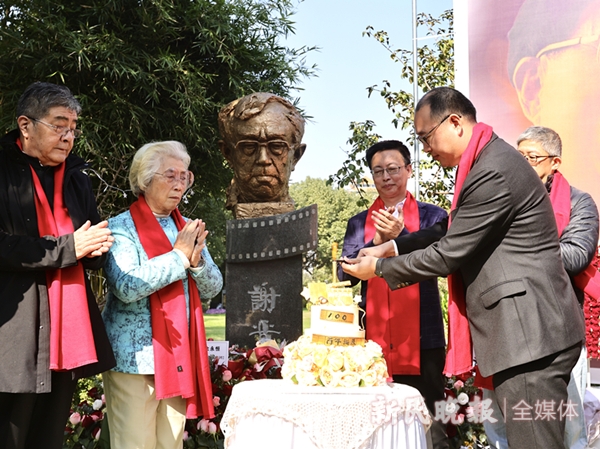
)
(172, 176)
(251, 147)
(62, 131)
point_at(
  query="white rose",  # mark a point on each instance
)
(349, 379)
(462, 398)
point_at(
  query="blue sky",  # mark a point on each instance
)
(347, 64)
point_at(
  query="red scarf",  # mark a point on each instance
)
(181, 363)
(394, 315)
(71, 337)
(459, 358)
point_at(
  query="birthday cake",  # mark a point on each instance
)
(334, 352)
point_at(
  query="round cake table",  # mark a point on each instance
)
(276, 414)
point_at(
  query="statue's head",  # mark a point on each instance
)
(262, 141)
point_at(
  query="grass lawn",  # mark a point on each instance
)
(215, 324)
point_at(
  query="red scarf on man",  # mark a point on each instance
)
(394, 316)
(459, 358)
(71, 336)
(181, 365)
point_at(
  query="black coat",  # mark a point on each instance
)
(24, 259)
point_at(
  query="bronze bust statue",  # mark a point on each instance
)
(262, 135)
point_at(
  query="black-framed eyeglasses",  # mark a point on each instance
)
(392, 170)
(534, 159)
(62, 131)
(250, 147)
(423, 139)
(172, 176)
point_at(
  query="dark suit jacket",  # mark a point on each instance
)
(503, 241)
(431, 322)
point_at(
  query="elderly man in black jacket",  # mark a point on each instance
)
(51, 332)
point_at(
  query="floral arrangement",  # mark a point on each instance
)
(262, 362)
(463, 413)
(309, 364)
(83, 429)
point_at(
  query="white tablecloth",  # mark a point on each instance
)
(276, 414)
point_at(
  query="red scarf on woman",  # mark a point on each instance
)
(459, 358)
(394, 316)
(71, 337)
(181, 366)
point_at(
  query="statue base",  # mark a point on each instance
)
(256, 210)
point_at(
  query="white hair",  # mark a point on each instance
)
(147, 160)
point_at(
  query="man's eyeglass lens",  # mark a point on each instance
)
(60, 130)
(378, 172)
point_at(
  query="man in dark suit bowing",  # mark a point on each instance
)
(502, 256)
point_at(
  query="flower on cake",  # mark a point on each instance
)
(309, 364)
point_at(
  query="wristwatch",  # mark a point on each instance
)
(378, 272)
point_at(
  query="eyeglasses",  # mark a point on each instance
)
(534, 159)
(568, 43)
(250, 147)
(393, 170)
(582, 40)
(172, 176)
(423, 139)
(62, 131)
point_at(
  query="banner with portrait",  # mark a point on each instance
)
(535, 62)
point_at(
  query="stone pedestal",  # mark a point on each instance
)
(264, 275)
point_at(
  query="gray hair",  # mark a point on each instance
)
(147, 160)
(546, 137)
(40, 97)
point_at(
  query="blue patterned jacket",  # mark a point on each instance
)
(131, 279)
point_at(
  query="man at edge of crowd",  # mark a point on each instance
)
(51, 332)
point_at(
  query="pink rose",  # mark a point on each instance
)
(96, 433)
(186, 435)
(212, 428)
(216, 401)
(203, 425)
(75, 418)
(227, 375)
(458, 384)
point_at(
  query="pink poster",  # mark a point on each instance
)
(537, 62)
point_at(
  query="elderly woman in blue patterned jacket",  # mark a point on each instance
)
(157, 270)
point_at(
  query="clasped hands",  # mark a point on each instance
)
(92, 241)
(387, 228)
(191, 240)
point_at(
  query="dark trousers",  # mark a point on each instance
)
(533, 396)
(33, 421)
(430, 383)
